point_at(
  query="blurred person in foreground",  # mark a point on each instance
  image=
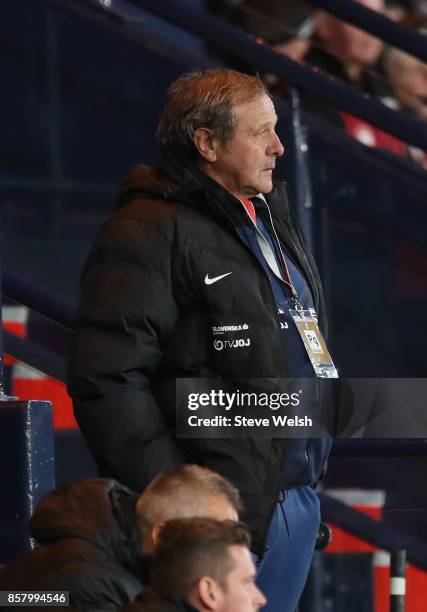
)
(204, 565)
(203, 249)
(95, 535)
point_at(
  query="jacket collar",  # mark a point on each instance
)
(178, 178)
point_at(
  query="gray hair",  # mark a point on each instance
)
(205, 100)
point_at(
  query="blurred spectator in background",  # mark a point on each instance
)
(286, 26)
(348, 53)
(93, 533)
(409, 12)
(204, 565)
(326, 43)
(274, 21)
(408, 78)
(396, 9)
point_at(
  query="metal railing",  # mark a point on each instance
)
(377, 533)
(29, 292)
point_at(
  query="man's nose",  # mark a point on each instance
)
(276, 148)
(260, 600)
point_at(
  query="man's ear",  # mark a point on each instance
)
(155, 532)
(205, 144)
(209, 593)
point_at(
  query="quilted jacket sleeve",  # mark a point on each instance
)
(127, 312)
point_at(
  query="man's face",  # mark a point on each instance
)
(352, 44)
(241, 594)
(244, 164)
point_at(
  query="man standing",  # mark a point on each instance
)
(187, 253)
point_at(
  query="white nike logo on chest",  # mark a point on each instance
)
(211, 281)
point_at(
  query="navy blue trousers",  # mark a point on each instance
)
(282, 572)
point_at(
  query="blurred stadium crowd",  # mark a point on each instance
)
(342, 51)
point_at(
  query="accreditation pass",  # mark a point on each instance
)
(306, 322)
(35, 598)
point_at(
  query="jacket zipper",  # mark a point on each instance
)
(300, 252)
(274, 501)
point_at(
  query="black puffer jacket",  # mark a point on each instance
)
(89, 546)
(147, 317)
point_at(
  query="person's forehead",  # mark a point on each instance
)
(243, 564)
(260, 109)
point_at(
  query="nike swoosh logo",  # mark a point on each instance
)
(211, 281)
